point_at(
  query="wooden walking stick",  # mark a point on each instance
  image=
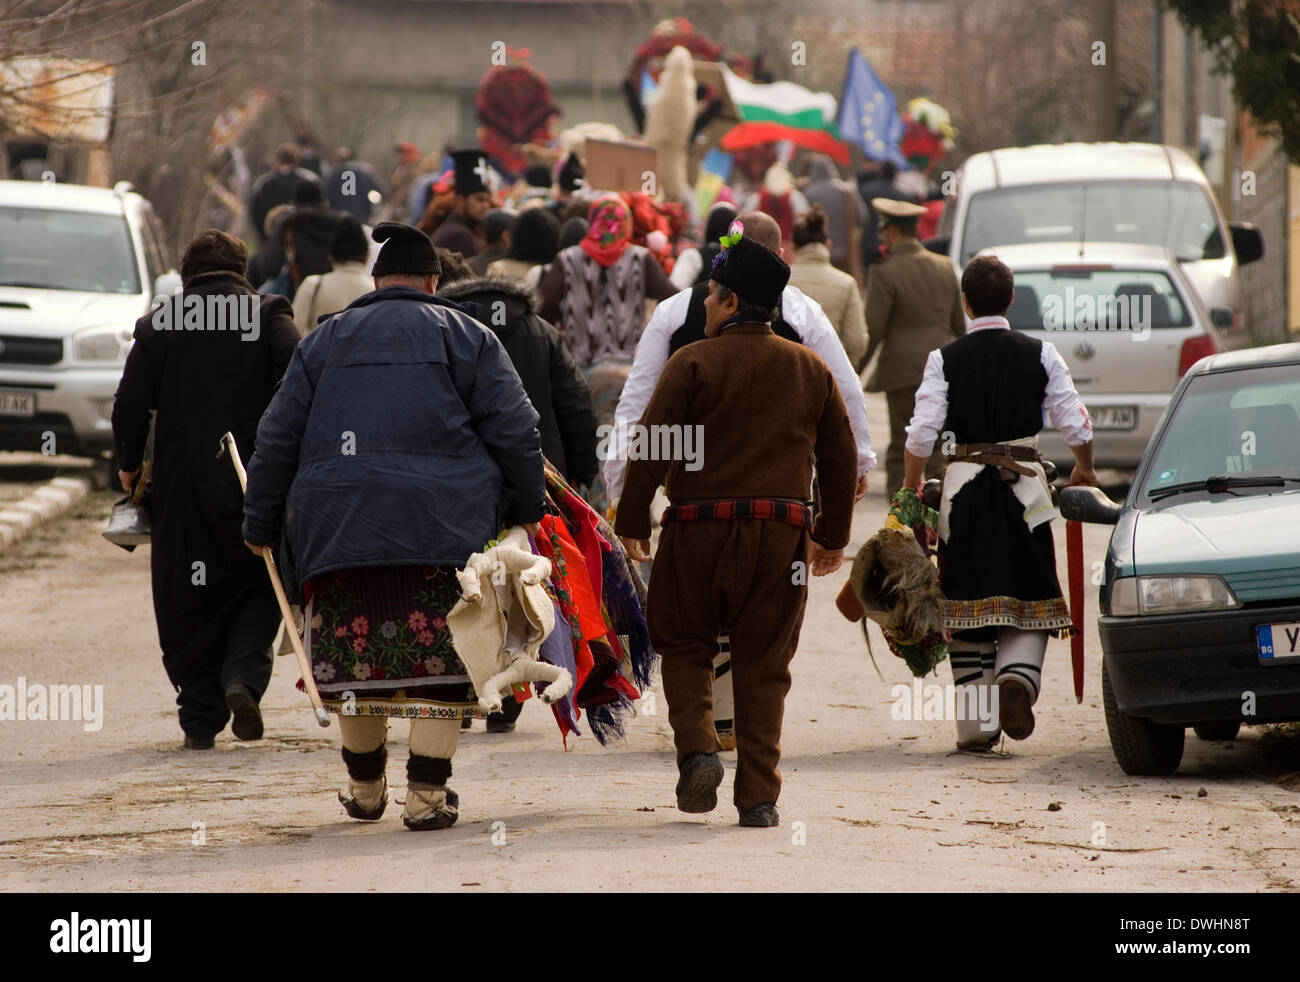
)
(304, 663)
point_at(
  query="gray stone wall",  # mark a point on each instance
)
(1266, 279)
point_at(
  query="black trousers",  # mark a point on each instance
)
(240, 653)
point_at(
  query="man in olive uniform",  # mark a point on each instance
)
(913, 307)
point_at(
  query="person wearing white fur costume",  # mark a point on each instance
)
(670, 118)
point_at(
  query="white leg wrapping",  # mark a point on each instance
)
(973, 665)
(1020, 655)
(724, 698)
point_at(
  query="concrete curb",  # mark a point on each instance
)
(48, 501)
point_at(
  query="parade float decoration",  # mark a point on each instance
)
(928, 135)
(670, 122)
(516, 114)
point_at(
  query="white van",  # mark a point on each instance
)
(1139, 193)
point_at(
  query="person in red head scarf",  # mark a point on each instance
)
(596, 291)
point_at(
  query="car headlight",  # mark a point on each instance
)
(1134, 595)
(102, 343)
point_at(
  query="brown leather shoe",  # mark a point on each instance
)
(1015, 708)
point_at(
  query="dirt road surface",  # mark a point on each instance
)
(869, 803)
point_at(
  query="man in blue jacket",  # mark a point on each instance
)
(399, 443)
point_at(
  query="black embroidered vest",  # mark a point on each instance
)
(693, 328)
(996, 384)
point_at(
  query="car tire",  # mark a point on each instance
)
(1141, 746)
(1222, 729)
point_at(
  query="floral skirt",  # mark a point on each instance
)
(380, 646)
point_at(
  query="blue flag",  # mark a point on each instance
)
(869, 113)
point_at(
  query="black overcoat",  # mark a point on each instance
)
(202, 381)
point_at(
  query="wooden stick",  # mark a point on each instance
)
(304, 663)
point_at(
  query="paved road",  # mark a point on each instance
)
(880, 804)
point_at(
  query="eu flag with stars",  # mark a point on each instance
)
(869, 114)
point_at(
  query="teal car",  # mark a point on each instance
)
(1200, 601)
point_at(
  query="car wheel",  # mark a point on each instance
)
(1223, 729)
(1141, 746)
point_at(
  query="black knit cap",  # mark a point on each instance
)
(406, 250)
(753, 271)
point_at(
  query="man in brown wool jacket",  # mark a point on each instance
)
(739, 537)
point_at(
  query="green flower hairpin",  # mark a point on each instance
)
(734, 234)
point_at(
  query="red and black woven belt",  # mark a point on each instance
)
(786, 510)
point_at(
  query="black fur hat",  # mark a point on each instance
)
(753, 271)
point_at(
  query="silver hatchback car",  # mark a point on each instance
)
(1129, 325)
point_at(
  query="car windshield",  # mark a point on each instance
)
(66, 250)
(1173, 214)
(1238, 424)
(1080, 299)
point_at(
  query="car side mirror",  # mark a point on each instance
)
(167, 284)
(1247, 243)
(1222, 317)
(1085, 504)
(939, 244)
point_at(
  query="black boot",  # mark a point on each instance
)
(504, 721)
(762, 816)
(246, 723)
(697, 788)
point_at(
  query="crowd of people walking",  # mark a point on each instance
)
(419, 388)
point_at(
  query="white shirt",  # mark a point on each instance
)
(808, 321)
(1061, 400)
(686, 268)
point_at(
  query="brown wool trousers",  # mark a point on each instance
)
(714, 576)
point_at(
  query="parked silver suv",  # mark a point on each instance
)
(78, 266)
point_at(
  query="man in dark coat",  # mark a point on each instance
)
(308, 233)
(554, 382)
(401, 439)
(845, 210)
(555, 385)
(207, 363)
(498, 231)
(349, 183)
(459, 231)
(880, 184)
(276, 186)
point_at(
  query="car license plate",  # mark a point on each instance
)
(1278, 643)
(18, 404)
(1114, 417)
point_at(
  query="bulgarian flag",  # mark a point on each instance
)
(782, 111)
